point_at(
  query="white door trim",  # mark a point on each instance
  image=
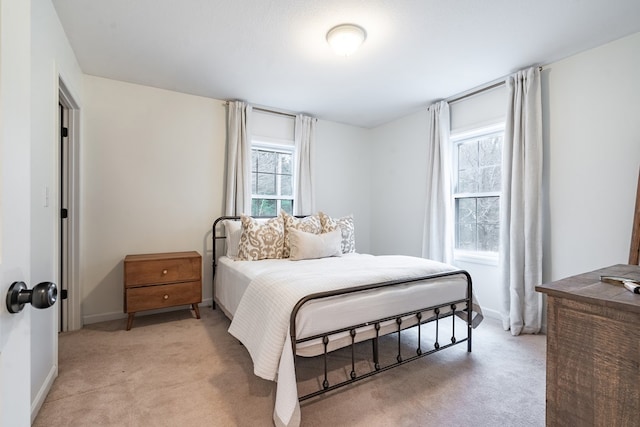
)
(74, 318)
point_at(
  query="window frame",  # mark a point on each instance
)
(277, 146)
(455, 139)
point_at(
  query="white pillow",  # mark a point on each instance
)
(310, 246)
(232, 232)
(310, 224)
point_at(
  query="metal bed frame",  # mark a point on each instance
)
(464, 312)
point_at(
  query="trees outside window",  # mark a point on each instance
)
(477, 170)
(271, 179)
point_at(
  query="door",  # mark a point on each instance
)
(15, 142)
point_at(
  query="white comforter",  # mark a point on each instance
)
(261, 321)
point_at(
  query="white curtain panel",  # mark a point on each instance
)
(437, 241)
(238, 179)
(305, 131)
(521, 205)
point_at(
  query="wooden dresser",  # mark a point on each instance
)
(593, 350)
(162, 280)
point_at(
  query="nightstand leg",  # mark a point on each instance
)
(196, 309)
(130, 321)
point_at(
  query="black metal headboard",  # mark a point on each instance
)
(214, 262)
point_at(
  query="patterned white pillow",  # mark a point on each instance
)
(311, 246)
(309, 224)
(261, 241)
(346, 225)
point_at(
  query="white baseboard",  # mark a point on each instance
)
(104, 317)
(491, 314)
(43, 392)
(495, 315)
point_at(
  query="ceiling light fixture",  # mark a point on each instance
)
(345, 39)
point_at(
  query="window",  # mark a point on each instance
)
(477, 158)
(271, 179)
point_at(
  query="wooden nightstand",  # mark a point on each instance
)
(162, 280)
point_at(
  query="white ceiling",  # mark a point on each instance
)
(273, 52)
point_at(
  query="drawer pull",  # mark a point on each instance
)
(165, 271)
(166, 296)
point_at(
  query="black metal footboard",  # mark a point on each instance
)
(462, 308)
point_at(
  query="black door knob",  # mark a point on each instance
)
(43, 295)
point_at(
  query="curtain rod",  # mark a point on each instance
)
(477, 91)
(267, 110)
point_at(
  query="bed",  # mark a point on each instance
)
(318, 295)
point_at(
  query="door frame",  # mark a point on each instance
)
(73, 306)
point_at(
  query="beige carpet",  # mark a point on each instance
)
(171, 369)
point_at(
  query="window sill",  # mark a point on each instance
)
(485, 258)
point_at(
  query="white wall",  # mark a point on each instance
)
(153, 181)
(275, 127)
(342, 176)
(152, 171)
(591, 118)
(483, 109)
(51, 58)
(398, 186)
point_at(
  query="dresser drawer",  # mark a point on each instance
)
(152, 271)
(160, 296)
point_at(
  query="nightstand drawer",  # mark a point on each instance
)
(160, 296)
(161, 271)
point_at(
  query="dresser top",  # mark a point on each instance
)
(161, 256)
(588, 288)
